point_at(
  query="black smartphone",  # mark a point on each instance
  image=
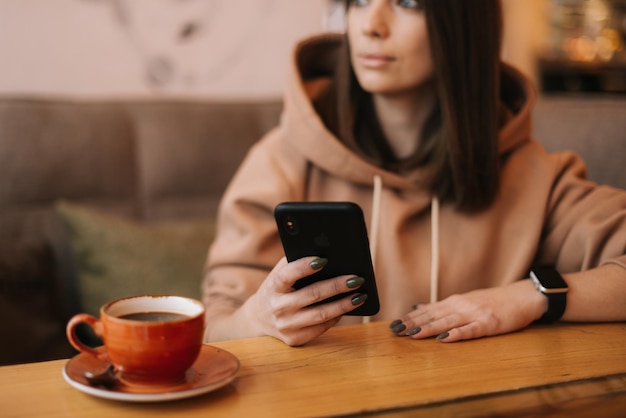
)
(333, 230)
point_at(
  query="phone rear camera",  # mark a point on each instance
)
(291, 225)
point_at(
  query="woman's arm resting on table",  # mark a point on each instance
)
(598, 295)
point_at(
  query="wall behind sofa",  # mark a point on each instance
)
(203, 48)
(142, 47)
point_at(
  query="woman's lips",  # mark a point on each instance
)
(375, 60)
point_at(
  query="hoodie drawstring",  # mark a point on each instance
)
(376, 199)
(434, 248)
(434, 237)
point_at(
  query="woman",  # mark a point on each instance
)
(413, 116)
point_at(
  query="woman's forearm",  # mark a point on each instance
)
(598, 294)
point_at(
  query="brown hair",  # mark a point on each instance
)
(460, 140)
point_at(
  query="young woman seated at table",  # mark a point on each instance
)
(413, 112)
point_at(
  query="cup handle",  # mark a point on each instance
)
(95, 324)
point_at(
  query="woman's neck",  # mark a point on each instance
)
(402, 117)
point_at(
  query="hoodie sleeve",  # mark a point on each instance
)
(247, 245)
(586, 222)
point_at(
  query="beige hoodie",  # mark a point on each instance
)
(545, 212)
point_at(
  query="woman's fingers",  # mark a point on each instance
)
(284, 274)
(302, 336)
(456, 318)
(305, 324)
(476, 314)
(298, 316)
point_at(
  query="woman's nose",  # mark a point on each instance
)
(376, 22)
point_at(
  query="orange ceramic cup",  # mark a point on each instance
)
(149, 339)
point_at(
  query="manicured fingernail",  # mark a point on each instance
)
(399, 328)
(359, 299)
(395, 323)
(355, 282)
(318, 263)
(443, 336)
(414, 331)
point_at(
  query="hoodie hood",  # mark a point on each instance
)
(312, 64)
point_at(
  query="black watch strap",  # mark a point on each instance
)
(549, 282)
(556, 308)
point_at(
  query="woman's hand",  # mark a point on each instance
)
(285, 313)
(475, 314)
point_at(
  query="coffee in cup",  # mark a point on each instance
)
(151, 339)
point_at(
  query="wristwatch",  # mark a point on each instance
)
(549, 282)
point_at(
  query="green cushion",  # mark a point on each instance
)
(115, 257)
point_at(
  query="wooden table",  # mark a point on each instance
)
(566, 370)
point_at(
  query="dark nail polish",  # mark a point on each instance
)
(414, 331)
(395, 323)
(443, 336)
(355, 282)
(399, 328)
(318, 263)
(358, 299)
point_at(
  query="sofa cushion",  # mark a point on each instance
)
(63, 148)
(190, 150)
(115, 257)
(33, 329)
(593, 127)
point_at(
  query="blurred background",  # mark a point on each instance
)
(221, 48)
(122, 121)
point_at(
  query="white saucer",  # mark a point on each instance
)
(214, 369)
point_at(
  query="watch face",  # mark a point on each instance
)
(549, 279)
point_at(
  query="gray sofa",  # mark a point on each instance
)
(98, 197)
(592, 126)
(146, 163)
